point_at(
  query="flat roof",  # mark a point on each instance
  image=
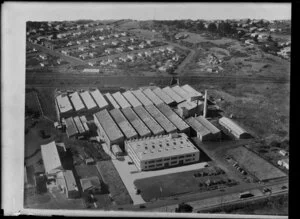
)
(123, 103)
(152, 96)
(232, 125)
(213, 129)
(197, 126)
(88, 100)
(79, 125)
(188, 105)
(141, 97)
(161, 119)
(90, 182)
(181, 92)
(112, 101)
(64, 103)
(70, 180)
(136, 122)
(148, 120)
(173, 117)
(76, 101)
(50, 157)
(162, 147)
(191, 90)
(71, 127)
(131, 99)
(108, 124)
(172, 94)
(99, 99)
(123, 123)
(163, 96)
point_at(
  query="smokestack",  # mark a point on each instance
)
(205, 104)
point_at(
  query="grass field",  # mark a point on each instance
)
(255, 164)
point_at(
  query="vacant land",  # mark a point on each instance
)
(255, 164)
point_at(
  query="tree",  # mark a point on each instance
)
(200, 25)
(212, 27)
(183, 207)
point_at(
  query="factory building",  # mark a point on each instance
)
(122, 102)
(161, 119)
(155, 128)
(152, 96)
(64, 107)
(51, 159)
(191, 91)
(67, 183)
(71, 128)
(207, 124)
(178, 99)
(198, 130)
(233, 128)
(188, 108)
(124, 125)
(113, 104)
(99, 99)
(162, 151)
(181, 92)
(141, 97)
(136, 122)
(88, 101)
(132, 99)
(174, 118)
(77, 102)
(164, 97)
(108, 129)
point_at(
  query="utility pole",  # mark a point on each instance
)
(205, 104)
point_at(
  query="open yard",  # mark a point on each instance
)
(255, 164)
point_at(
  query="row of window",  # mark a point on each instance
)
(172, 158)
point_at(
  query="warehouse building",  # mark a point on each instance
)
(67, 183)
(198, 130)
(88, 101)
(136, 122)
(188, 108)
(113, 104)
(99, 99)
(164, 97)
(108, 129)
(161, 119)
(77, 102)
(233, 128)
(80, 128)
(64, 107)
(191, 91)
(132, 99)
(155, 128)
(141, 97)
(124, 125)
(71, 128)
(181, 92)
(51, 159)
(207, 124)
(122, 102)
(174, 118)
(178, 99)
(152, 96)
(84, 123)
(162, 151)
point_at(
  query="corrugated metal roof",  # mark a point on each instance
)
(76, 101)
(152, 96)
(161, 119)
(88, 100)
(163, 96)
(148, 120)
(181, 92)
(71, 128)
(136, 122)
(108, 124)
(172, 94)
(64, 103)
(232, 125)
(112, 101)
(141, 97)
(191, 90)
(124, 125)
(99, 99)
(173, 117)
(131, 99)
(50, 157)
(79, 125)
(213, 129)
(197, 126)
(121, 100)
